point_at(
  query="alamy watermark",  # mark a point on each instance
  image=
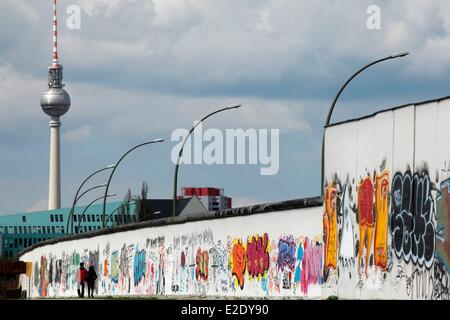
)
(238, 146)
(373, 21)
(74, 19)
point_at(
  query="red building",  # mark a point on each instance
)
(212, 198)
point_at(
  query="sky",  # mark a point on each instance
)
(137, 70)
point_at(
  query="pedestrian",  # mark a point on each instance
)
(91, 277)
(82, 273)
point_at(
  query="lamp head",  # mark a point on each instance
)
(398, 55)
(234, 106)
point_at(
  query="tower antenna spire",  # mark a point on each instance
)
(55, 37)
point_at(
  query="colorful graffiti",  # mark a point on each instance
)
(115, 266)
(311, 265)
(286, 253)
(191, 263)
(443, 224)
(201, 269)
(330, 228)
(381, 218)
(258, 255)
(139, 266)
(238, 262)
(366, 220)
(43, 277)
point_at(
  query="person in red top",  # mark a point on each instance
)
(82, 273)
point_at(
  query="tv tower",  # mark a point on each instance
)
(55, 102)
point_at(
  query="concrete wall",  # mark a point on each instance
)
(386, 206)
(266, 254)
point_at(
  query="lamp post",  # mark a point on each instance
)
(117, 164)
(327, 122)
(175, 178)
(85, 209)
(76, 198)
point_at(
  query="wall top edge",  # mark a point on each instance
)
(301, 203)
(387, 110)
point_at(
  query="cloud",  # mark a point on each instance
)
(39, 205)
(78, 135)
(19, 106)
(244, 202)
(137, 69)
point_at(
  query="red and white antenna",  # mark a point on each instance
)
(55, 37)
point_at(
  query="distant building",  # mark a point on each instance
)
(21, 230)
(162, 208)
(213, 199)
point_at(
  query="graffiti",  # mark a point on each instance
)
(274, 275)
(399, 277)
(258, 255)
(183, 259)
(365, 218)
(105, 268)
(411, 224)
(287, 277)
(50, 271)
(440, 282)
(219, 265)
(382, 215)
(36, 274)
(422, 283)
(139, 266)
(201, 269)
(123, 262)
(298, 262)
(330, 228)
(58, 271)
(43, 278)
(346, 245)
(237, 262)
(311, 265)
(161, 277)
(286, 253)
(443, 224)
(115, 266)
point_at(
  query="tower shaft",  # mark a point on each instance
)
(54, 188)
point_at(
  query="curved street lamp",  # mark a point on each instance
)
(115, 167)
(175, 178)
(85, 209)
(76, 198)
(327, 122)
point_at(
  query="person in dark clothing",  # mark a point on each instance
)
(82, 273)
(91, 277)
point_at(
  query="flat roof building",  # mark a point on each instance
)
(21, 230)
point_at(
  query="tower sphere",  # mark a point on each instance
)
(55, 101)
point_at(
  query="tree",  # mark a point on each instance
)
(140, 208)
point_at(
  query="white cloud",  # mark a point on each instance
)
(39, 205)
(245, 201)
(19, 101)
(78, 135)
(432, 59)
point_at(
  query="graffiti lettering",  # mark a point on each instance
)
(411, 225)
(258, 255)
